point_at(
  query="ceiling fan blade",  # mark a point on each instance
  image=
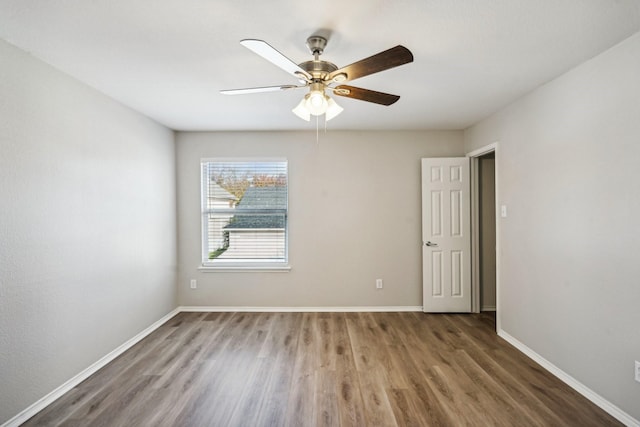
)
(269, 53)
(365, 94)
(258, 89)
(385, 60)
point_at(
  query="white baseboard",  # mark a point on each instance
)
(603, 403)
(301, 309)
(71, 383)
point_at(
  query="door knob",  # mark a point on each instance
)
(431, 244)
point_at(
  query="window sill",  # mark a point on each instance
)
(285, 268)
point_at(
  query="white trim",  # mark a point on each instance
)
(248, 159)
(207, 309)
(483, 150)
(498, 238)
(595, 398)
(83, 375)
(488, 308)
(270, 268)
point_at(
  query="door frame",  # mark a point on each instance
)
(475, 230)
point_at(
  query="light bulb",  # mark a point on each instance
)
(317, 103)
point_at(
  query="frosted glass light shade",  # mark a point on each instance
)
(333, 109)
(301, 110)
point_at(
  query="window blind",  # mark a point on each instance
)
(245, 205)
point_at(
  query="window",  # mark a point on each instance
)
(244, 213)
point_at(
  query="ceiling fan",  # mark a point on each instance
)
(320, 76)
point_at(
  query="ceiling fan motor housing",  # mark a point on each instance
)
(318, 69)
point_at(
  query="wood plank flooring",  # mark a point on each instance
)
(323, 369)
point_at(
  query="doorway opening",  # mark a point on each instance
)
(487, 231)
(484, 224)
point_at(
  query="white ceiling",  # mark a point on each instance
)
(169, 58)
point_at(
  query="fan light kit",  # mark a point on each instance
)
(320, 76)
(317, 103)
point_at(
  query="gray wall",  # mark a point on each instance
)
(570, 264)
(354, 206)
(87, 227)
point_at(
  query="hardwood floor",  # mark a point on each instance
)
(323, 369)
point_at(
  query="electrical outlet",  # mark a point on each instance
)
(637, 371)
(378, 283)
(194, 284)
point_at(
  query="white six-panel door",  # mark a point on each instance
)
(446, 237)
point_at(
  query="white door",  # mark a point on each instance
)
(446, 237)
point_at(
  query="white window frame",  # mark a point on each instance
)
(208, 265)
